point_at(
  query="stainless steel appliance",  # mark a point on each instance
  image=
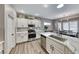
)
(43, 41)
(31, 33)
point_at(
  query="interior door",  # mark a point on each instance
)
(10, 32)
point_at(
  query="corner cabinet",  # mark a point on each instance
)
(53, 47)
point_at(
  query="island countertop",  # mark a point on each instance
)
(72, 42)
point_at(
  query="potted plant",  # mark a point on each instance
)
(45, 27)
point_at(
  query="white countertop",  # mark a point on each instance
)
(72, 43)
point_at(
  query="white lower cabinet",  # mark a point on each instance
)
(49, 46)
(21, 37)
(54, 47)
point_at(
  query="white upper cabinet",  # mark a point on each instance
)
(21, 22)
(37, 23)
(31, 21)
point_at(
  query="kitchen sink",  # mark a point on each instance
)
(58, 38)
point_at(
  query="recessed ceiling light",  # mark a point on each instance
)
(45, 5)
(37, 14)
(60, 5)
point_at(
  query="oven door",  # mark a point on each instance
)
(31, 35)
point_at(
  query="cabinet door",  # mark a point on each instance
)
(67, 51)
(54, 47)
(30, 22)
(24, 23)
(38, 33)
(38, 23)
(25, 38)
(49, 46)
(33, 22)
(21, 22)
(21, 37)
(58, 48)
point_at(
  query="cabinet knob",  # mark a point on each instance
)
(12, 34)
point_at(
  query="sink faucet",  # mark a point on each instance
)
(59, 33)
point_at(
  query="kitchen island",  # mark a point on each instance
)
(53, 45)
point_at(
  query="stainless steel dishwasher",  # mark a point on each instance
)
(43, 41)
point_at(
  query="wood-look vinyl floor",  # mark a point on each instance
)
(32, 47)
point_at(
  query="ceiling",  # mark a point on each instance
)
(50, 12)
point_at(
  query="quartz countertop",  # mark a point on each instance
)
(72, 42)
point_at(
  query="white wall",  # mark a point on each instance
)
(48, 21)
